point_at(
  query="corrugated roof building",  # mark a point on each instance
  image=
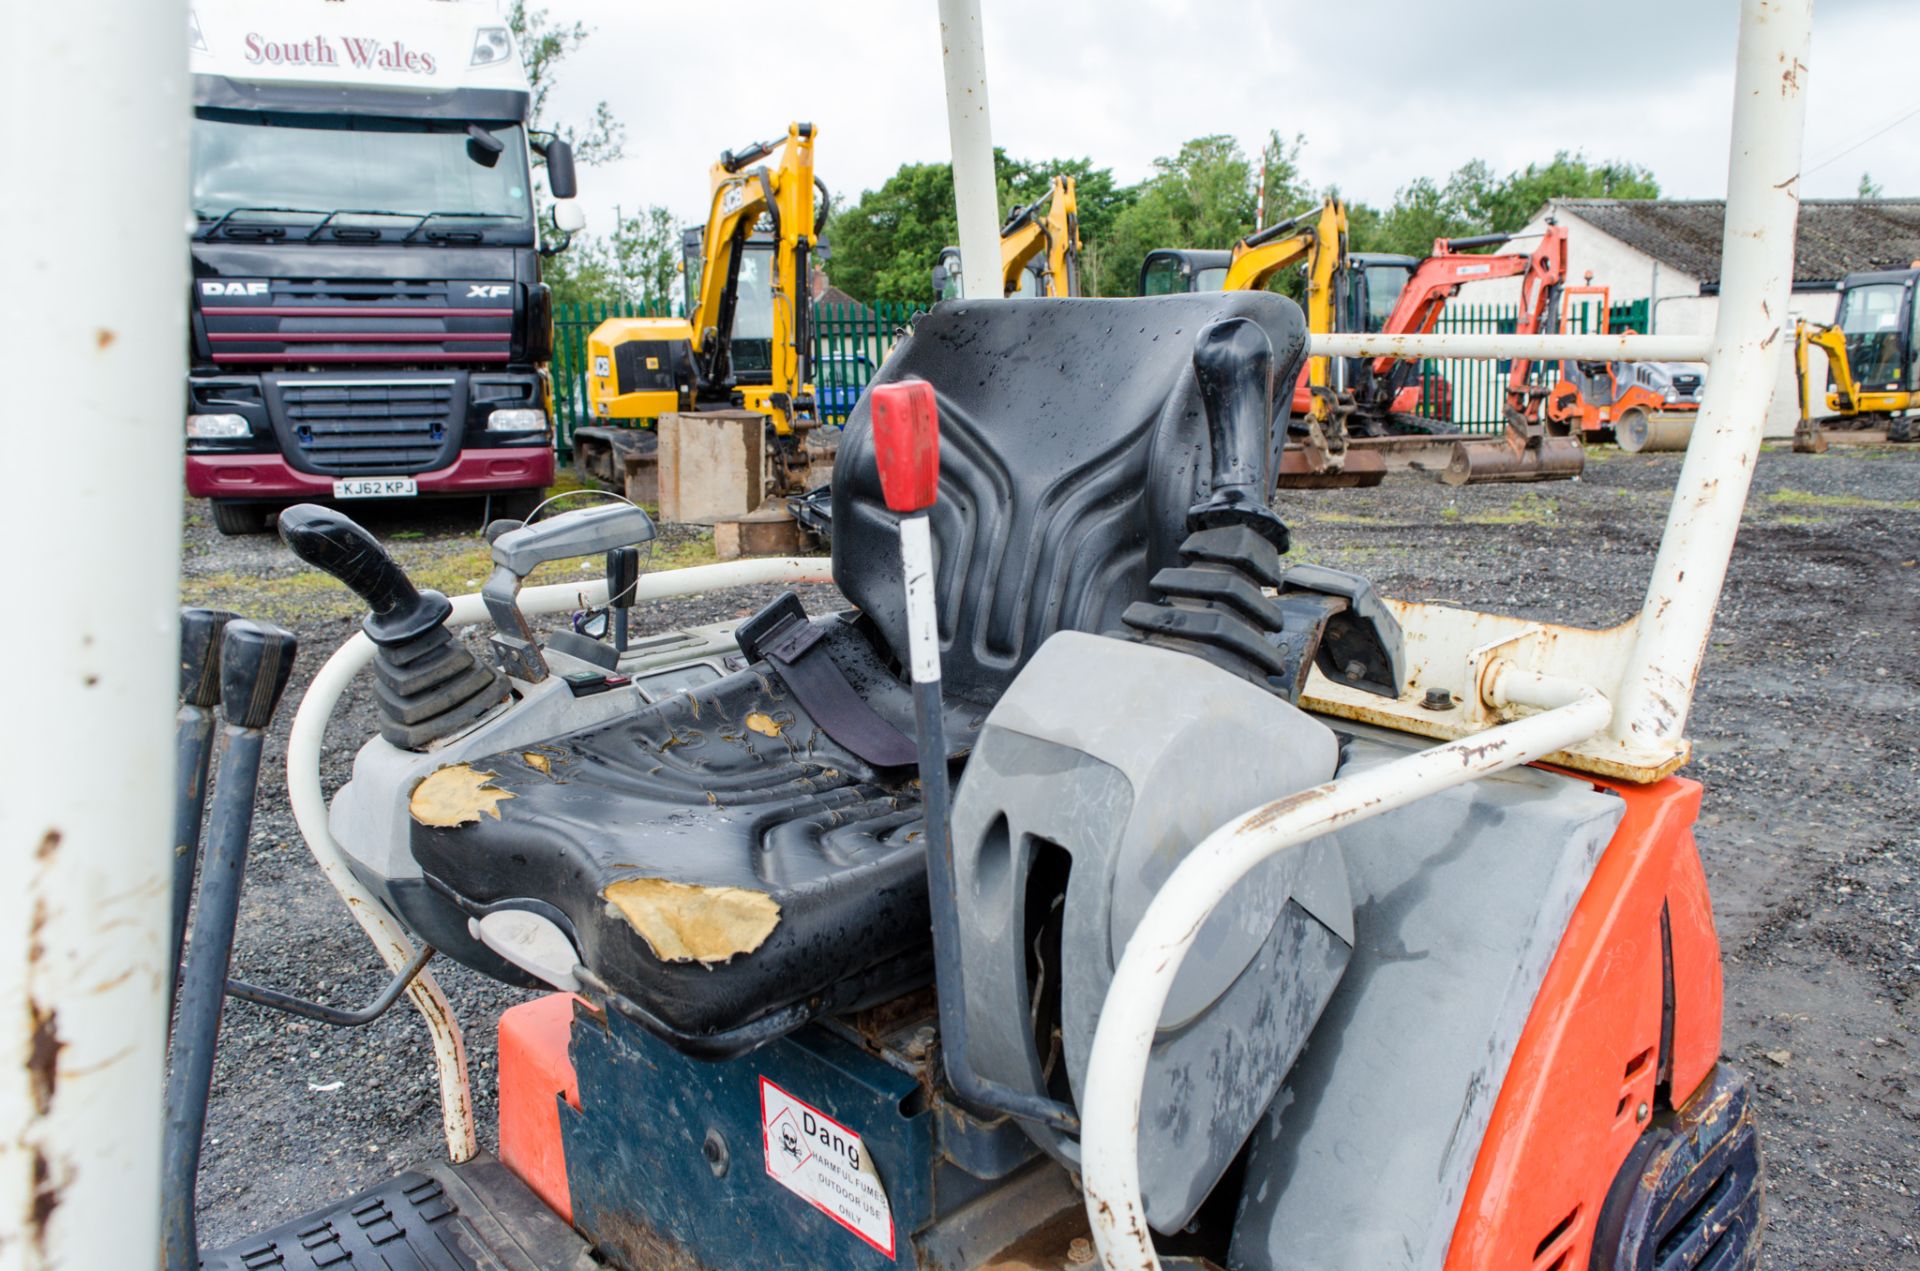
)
(1667, 251)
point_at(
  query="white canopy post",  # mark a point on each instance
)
(963, 51)
(95, 225)
(1749, 338)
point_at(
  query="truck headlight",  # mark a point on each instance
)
(218, 427)
(517, 421)
(491, 44)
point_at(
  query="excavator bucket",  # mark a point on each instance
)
(1302, 468)
(1522, 454)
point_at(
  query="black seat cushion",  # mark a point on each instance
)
(1072, 444)
(732, 786)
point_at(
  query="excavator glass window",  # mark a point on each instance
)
(753, 312)
(1384, 285)
(1163, 276)
(1870, 319)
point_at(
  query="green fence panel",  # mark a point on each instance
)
(573, 322)
(850, 344)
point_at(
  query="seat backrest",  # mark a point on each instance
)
(1072, 443)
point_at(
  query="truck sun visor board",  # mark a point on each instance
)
(421, 46)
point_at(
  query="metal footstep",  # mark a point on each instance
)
(472, 1217)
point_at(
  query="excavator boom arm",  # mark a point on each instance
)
(741, 196)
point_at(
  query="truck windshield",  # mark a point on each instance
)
(285, 167)
(1870, 321)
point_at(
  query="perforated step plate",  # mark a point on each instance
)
(472, 1217)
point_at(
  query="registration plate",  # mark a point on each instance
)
(376, 488)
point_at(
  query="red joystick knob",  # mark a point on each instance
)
(906, 443)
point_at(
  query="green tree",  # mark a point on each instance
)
(1202, 197)
(544, 44)
(585, 272)
(1513, 202)
(886, 244)
(646, 249)
(1284, 188)
(1869, 188)
(1473, 200)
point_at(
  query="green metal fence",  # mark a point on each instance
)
(1472, 393)
(572, 324)
(850, 342)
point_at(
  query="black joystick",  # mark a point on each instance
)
(1215, 604)
(427, 684)
(1233, 365)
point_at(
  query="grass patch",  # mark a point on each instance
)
(1808, 499)
(1526, 509)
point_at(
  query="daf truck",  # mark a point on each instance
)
(368, 319)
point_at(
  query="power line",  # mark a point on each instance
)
(1863, 141)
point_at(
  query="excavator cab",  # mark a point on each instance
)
(1876, 321)
(1873, 358)
(1374, 281)
(1177, 271)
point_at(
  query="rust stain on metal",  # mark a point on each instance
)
(456, 795)
(764, 724)
(49, 844)
(103, 338)
(43, 1054)
(538, 762)
(683, 922)
(47, 1195)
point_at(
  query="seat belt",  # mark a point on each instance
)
(795, 649)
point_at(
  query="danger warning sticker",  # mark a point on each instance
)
(823, 1162)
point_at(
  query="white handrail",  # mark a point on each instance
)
(306, 741)
(1597, 348)
(1130, 1016)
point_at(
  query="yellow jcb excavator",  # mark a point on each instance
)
(746, 341)
(1039, 249)
(1873, 358)
(1319, 239)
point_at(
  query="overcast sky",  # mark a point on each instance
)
(1383, 91)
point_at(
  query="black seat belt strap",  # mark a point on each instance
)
(796, 650)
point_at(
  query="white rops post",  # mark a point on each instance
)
(1527, 711)
(96, 224)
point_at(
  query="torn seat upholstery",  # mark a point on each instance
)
(725, 868)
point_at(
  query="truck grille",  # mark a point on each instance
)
(366, 427)
(315, 322)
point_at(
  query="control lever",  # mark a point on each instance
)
(200, 631)
(1233, 365)
(586, 532)
(623, 577)
(426, 682)
(906, 443)
(255, 660)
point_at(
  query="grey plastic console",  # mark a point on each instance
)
(1124, 756)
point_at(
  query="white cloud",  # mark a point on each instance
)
(1385, 90)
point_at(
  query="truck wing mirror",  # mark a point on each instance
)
(569, 217)
(560, 176)
(483, 147)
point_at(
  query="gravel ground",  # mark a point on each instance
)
(1807, 736)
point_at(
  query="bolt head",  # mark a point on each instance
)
(1641, 1113)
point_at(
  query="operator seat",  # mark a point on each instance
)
(726, 868)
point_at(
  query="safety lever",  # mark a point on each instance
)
(906, 444)
(590, 531)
